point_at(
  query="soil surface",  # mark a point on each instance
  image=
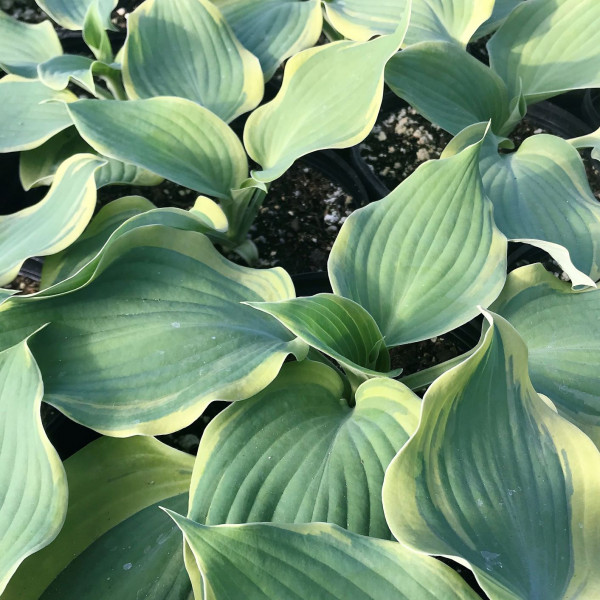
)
(399, 143)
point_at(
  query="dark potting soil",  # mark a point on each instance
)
(299, 220)
(399, 143)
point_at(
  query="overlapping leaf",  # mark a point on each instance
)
(562, 331)
(422, 259)
(33, 483)
(115, 541)
(71, 14)
(173, 137)
(186, 48)
(55, 222)
(313, 561)
(495, 477)
(155, 333)
(117, 218)
(440, 20)
(591, 140)
(38, 166)
(297, 453)
(62, 265)
(541, 195)
(309, 113)
(59, 71)
(95, 24)
(23, 45)
(502, 9)
(273, 30)
(546, 47)
(336, 326)
(448, 86)
(28, 118)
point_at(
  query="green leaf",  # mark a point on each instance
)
(140, 558)
(274, 30)
(541, 196)
(96, 21)
(112, 520)
(448, 86)
(497, 479)
(336, 326)
(38, 166)
(23, 45)
(53, 223)
(173, 137)
(431, 20)
(309, 113)
(185, 48)
(70, 14)
(548, 47)
(591, 140)
(502, 9)
(296, 452)
(560, 327)
(33, 483)
(155, 334)
(117, 218)
(28, 117)
(421, 260)
(264, 562)
(62, 265)
(57, 72)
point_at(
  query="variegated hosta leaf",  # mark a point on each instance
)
(591, 140)
(23, 46)
(33, 497)
(336, 326)
(541, 195)
(57, 72)
(27, 118)
(421, 260)
(562, 330)
(186, 48)
(309, 113)
(495, 477)
(114, 543)
(62, 265)
(441, 20)
(296, 452)
(95, 23)
(273, 30)
(70, 14)
(155, 334)
(260, 561)
(6, 294)
(53, 223)
(548, 47)
(115, 219)
(448, 86)
(38, 166)
(502, 9)
(173, 137)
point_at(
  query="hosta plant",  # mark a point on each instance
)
(326, 476)
(161, 106)
(539, 191)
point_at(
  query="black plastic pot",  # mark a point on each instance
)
(335, 167)
(72, 41)
(13, 197)
(591, 108)
(556, 119)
